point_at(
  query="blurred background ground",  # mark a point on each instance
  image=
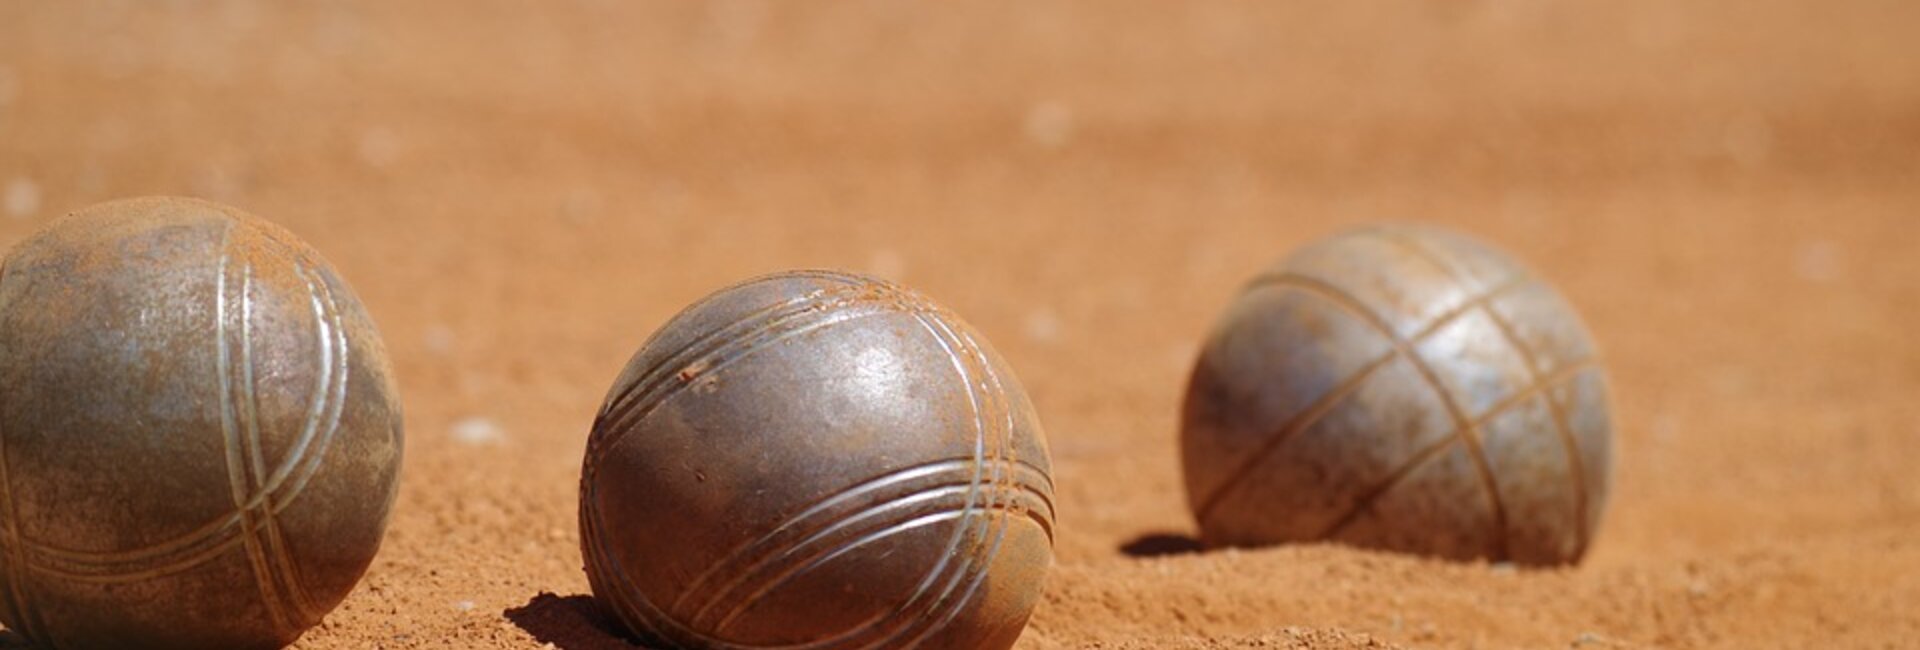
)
(521, 192)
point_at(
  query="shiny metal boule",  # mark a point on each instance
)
(199, 433)
(817, 460)
(1403, 388)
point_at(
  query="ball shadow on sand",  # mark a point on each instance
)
(1161, 544)
(569, 623)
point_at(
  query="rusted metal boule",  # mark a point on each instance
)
(199, 435)
(1403, 388)
(820, 460)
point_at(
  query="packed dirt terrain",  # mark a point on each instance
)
(521, 192)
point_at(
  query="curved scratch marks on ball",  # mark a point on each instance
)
(1464, 428)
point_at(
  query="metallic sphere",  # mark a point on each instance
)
(199, 434)
(817, 460)
(1402, 388)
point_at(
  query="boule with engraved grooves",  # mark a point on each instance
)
(1405, 388)
(199, 433)
(820, 460)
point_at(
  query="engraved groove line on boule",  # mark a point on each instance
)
(971, 366)
(736, 339)
(942, 484)
(1462, 278)
(708, 344)
(618, 401)
(883, 491)
(1305, 419)
(1576, 465)
(839, 279)
(1443, 261)
(324, 303)
(1479, 302)
(946, 570)
(229, 413)
(621, 589)
(218, 536)
(748, 321)
(247, 413)
(701, 345)
(999, 393)
(670, 385)
(631, 405)
(1277, 279)
(1541, 389)
(278, 564)
(911, 612)
(333, 367)
(925, 507)
(1464, 430)
(597, 533)
(615, 409)
(992, 398)
(988, 551)
(1535, 371)
(1325, 404)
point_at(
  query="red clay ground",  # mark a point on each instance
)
(521, 192)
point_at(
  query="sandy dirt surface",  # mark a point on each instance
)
(521, 192)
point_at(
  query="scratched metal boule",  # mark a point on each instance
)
(199, 435)
(1404, 388)
(820, 460)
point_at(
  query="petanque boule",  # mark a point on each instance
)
(199, 433)
(1404, 388)
(819, 460)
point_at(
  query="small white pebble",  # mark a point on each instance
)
(379, 148)
(465, 605)
(478, 430)
(1042, 326)
(22, 197)
(581, 206)
(1180, 356)
(1820, 261)
(1050, 124)
(1664, 428)
(438, 339)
